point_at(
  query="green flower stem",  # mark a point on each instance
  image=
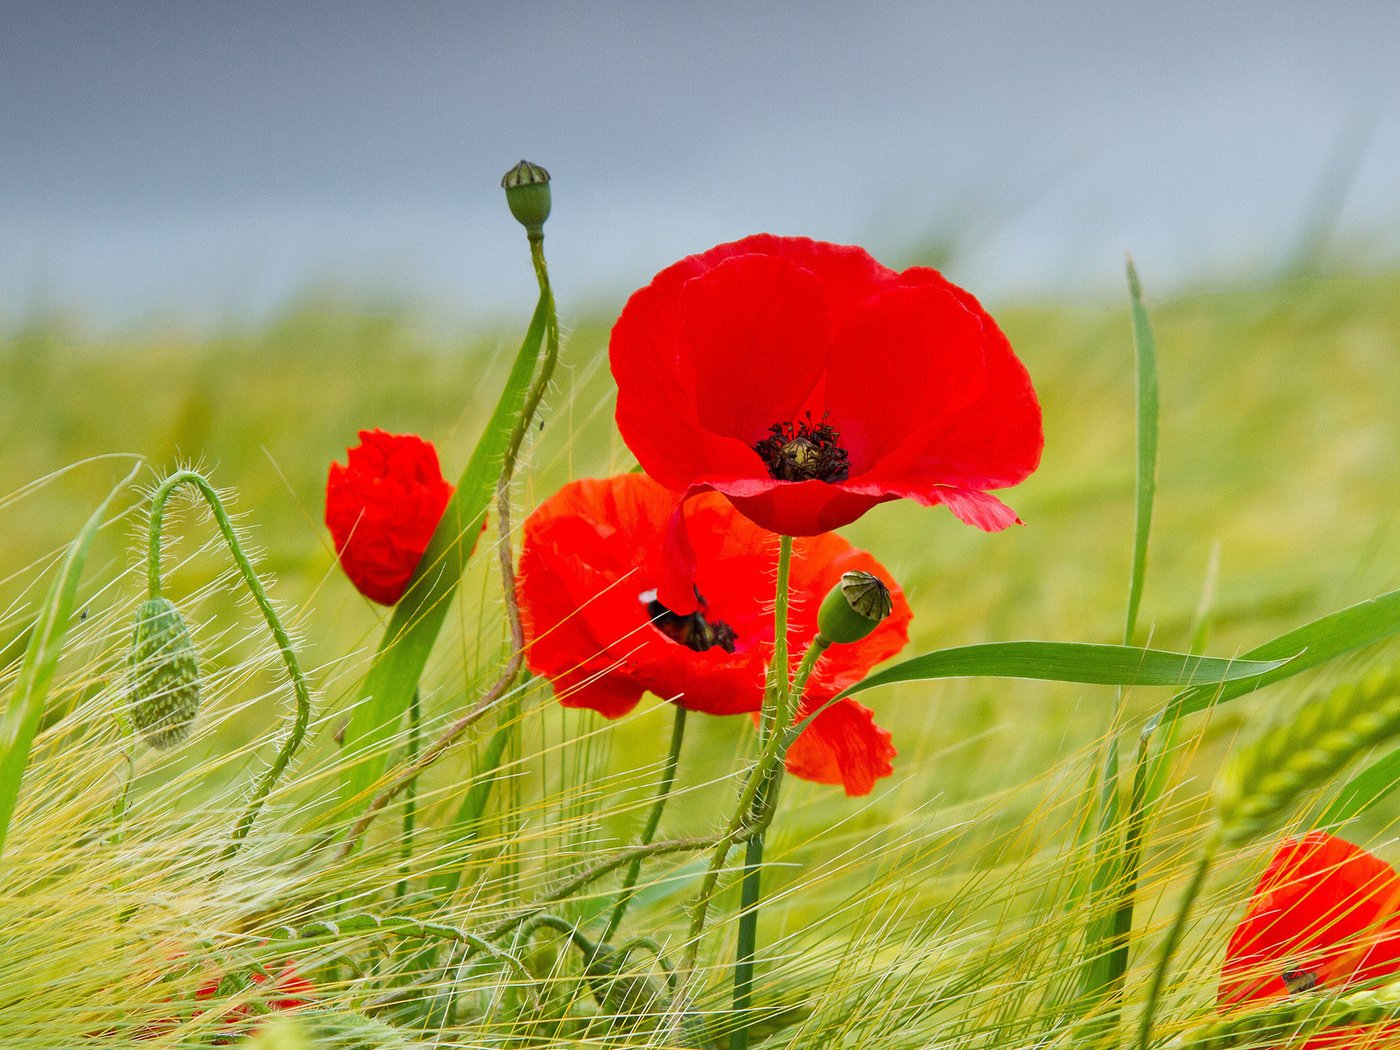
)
(663, 790)
(786, 694)
(1178, 927)
(302, 716)
(739, 829)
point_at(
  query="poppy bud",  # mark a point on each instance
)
(527, 193)
(164, 674)
(854, 608)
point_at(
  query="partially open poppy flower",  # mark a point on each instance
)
(808, 383)
(382, 508)
(589, 571)
(1324, 915)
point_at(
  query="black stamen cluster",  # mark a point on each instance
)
(804, 451)
(693, 631)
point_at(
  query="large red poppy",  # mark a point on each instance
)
(382, 508)
(808, 383)
(589, 572)
(1325, 915)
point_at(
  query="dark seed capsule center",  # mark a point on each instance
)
(800, 450)
(692, 631)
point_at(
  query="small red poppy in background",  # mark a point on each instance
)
(382, 508)
(1324, 915)
(589, 571)
(808, 383)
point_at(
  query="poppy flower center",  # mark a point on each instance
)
(693, 631)
(800, 450)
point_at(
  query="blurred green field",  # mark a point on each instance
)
(1277, 502)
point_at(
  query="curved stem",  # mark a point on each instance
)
(302, 716)
(663, 789)
(1178, 927)
(503, 684)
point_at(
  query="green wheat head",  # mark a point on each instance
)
(1262, 780)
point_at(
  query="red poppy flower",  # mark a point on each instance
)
(382, 508)
(808, 383)
(1325, 914)
(589, 572)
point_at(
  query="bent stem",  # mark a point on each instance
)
(417, 763)
(663, 790)
(302, 716)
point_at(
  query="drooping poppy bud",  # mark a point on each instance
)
(164, 675)
(858, 604)
(527, 193)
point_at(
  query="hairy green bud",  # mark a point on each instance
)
(854, 608)
(164, 675)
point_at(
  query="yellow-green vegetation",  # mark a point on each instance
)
(947, 909)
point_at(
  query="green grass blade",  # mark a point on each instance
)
(1145, 347)
(408, 640)
(1070, 662)
(1311, 645)
(1361, 792)
(22, 715)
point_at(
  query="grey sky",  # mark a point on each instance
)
(203, 159)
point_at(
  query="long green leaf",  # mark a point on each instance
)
(1373, 784)
(1069, 662)
(1309, 646)
(25, 709)
(418, 618)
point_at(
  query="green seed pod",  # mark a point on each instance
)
(164, 675)
(854, 608)
(527, 193)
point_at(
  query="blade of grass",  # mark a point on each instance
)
(1071, 662)
(22, 714)
(1106, 941)
(1361, 792)
(1302, 649)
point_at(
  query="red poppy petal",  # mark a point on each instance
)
(755, 324)
(656, 412)
(798, 508)
(992, 443)
(908, 359)
(1323, 906)
(842, 746)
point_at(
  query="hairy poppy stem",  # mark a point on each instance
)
(302, 716)
(742, 826)
(663, 789)
(506, 681)
(775, 718)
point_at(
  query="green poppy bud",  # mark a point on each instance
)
(854, 608)
(164, 675)
(527, 193)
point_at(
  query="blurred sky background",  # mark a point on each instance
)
(211, 161)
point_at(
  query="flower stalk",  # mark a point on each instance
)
(301, 717)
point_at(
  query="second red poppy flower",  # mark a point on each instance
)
(589, 572)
